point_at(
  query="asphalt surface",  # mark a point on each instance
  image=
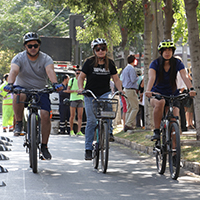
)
(130, 175)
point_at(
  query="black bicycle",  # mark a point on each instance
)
(104, 110)
(33, 137)
(169, 142)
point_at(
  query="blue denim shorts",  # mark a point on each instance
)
(44, 102)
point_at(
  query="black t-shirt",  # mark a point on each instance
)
(98, 79)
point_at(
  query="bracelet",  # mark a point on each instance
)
(191, 89)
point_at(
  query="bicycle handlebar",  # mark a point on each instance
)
(171, 97)
(18, 91)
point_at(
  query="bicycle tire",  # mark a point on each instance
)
(34, 142)
(95, 151)
(104, 146)
(161, 155)
(174, 154)
(29, 142)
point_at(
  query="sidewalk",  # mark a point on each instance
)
(191, 166)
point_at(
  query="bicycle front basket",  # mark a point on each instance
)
(105, 108)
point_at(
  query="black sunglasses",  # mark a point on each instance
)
(30, 46)
(77, 73)
(103, 48)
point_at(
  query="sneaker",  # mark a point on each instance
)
(45, 152)
(111, 139)
(80, 133)
(18, 128)
(156, 135)
(4, 130)
(88, 154)
(72, 133)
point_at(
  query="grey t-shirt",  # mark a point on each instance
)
(32, 74)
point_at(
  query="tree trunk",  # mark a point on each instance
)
(169, 20)
(157, 27)
(194, 43)
(147, 60)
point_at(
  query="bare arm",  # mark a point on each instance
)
(13, 73)
(69, 90)
(51, 73)
(117, 82)
(81, 79)
(152, 78)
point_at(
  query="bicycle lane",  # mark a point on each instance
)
(68, 176)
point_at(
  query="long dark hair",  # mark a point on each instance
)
(95, 61)
(173, 72)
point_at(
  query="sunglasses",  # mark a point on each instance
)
(30, 46)
(77, 73)
(103, 48)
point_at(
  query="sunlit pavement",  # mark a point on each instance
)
(69, 176)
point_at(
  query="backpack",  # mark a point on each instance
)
(72, 82)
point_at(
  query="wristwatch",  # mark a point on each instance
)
(191, 89)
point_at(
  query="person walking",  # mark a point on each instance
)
(76, 103)
(64, 109)
(129, 83)
(30, 69)
(98, 70)
(7, 108)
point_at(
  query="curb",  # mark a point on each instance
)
(191, 166)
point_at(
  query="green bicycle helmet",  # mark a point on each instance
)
(166, 44)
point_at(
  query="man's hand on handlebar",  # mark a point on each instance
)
(58, 87)
(8, 87)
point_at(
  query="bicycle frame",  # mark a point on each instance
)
(33, 137)
(169, 142)
(104, 110)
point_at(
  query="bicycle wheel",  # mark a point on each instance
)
(95, 151)
(34, 142)
(104, 146)
(161, 155)
(174, 150)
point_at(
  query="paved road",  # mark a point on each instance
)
(68, 176)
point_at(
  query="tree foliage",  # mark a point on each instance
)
(20, 17)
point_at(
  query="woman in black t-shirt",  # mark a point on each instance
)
(98, 70)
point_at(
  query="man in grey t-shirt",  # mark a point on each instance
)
(31, 69)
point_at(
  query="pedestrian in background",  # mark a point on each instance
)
(7, 108)
(140, 114)
(64, 109)
(76, 103)
(129, 82)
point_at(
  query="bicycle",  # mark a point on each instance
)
(169, 142)
(33, 137)
(104, 110)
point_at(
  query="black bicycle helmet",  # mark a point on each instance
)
(31, 36)
(166, 44)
